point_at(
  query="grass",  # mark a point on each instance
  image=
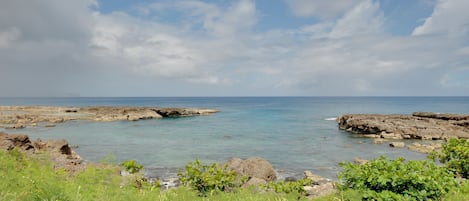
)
(26, 178)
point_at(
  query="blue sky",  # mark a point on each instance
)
(234, 48)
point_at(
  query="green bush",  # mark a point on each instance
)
(208, 178)
(131, 166)
(288, 187)
(455, 155)
(383, 179)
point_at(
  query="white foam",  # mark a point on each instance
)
(331, 119)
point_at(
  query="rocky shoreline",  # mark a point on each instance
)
(396, 127)
(17, 117)
(258, 171)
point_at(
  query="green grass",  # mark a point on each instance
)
(24, 178)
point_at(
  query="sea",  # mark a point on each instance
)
(293, 133)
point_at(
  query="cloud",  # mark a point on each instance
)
(365, 18)
(200, 48)
(319, 8)
(449, 17)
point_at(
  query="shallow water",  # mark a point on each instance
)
(293, 133)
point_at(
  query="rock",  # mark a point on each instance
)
(315, 178)
(49, 125)
(59, 151)
(424, 148)
(379, 141)
(17, 126)
(455, 117)
(397, 144)
(390, 136)
(254, 182)
(420, 125)
(290, 179)
(16, 117)
(10, 141)
(371, 136)
(319, 190)
(169, 183)
(181, 112)
(360, 161)
(253, 167)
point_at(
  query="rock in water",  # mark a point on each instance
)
(397, 144)
(420, 125)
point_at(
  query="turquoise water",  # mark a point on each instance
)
(293, 133)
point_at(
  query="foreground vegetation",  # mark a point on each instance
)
(26, 178)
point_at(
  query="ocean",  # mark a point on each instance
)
(293, 133)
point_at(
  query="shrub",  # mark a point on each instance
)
(455, 156)
(208, 178)
(288, 187)
(383, 179)
(131, 166)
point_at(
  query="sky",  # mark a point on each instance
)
(107, 48)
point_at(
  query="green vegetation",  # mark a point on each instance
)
(455, 156)
(288, 187)
(383, 179)
(131, 166)
(25, 178)
(208, 179)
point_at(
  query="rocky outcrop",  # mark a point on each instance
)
(59, 151)
(253, 167)
(182, 112)
(420, 125)
(320, 186)
(17, 117)
(9, 142)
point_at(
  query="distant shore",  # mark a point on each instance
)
(17, 117)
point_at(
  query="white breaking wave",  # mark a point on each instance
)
(331, 119)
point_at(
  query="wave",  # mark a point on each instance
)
(331, 119)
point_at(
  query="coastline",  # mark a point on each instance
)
(18, 117)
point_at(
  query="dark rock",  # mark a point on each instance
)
(10, 141)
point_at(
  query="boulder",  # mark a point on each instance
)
(319, 190)
(254, 182)
(315, 178)
(253, 167)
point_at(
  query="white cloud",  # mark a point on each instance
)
(320, 8)
(450, 17)
(365, 18)
(217, 49)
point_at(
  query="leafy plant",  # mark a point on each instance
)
(208, 178)
(131, 166)
(455, 155)
(288, 187)
(383, 179)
